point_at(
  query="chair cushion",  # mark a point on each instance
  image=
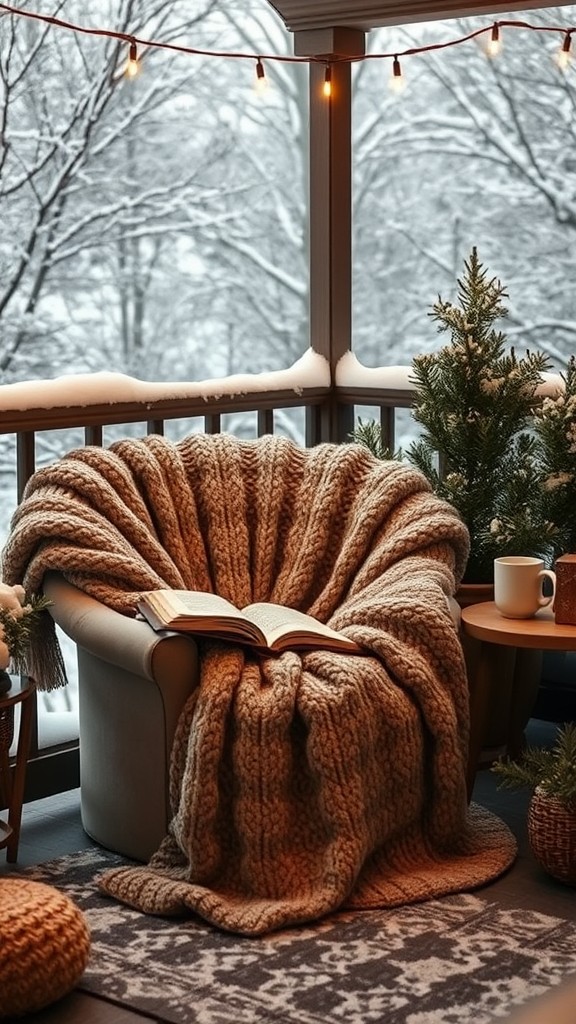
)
(44, 945)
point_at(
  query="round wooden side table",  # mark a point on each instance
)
(486, 624)
(12, 780)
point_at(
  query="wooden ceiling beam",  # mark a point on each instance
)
(309, 15)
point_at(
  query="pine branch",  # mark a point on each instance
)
(368, 433)
(553, 771)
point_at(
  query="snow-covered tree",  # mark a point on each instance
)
(159, 225)
(136, 212)
(474, 151)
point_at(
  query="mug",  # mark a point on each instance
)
(518, 582)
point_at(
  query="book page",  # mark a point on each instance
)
(192, 602)
(198, 612)
(276, 620)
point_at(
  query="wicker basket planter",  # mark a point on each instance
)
(552, 835)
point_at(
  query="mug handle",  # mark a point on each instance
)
(543, 600)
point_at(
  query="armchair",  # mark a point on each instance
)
(299, 783)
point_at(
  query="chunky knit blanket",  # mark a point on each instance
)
(309, 781)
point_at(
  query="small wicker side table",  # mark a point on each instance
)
(12, 787)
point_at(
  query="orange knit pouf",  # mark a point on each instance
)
(44, 945)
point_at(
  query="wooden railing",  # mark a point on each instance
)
(310, 414)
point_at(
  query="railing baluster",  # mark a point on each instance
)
(265, 422)
(313, 425)
(388, 426)
(212, 423)
(25, 459)
(155, 427)
(94, 435)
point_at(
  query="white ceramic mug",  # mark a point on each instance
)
(518, 583)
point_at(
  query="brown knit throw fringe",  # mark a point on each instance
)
(310, 781)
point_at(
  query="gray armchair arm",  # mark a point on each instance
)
(132, 686)
(129, 643)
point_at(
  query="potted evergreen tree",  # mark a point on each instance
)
(474, 400)
(551, 774)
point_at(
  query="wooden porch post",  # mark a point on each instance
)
(330, 205)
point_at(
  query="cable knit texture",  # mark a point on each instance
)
(44, 946)
(309, 781)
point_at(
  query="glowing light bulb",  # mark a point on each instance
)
(495, 45)
(328, 81)
(563, 55)
(133, 65)
(261, 80)
(397, 81)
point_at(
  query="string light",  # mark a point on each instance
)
(563, 55)
(495, 45)
(327, 90)
(133, 65)
(397, 82)
(261, 80)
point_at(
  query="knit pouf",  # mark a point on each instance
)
(44, 945)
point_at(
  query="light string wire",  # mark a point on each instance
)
(132, 40)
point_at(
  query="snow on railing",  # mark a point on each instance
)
(310, 371)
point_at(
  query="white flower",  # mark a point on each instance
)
(12, 599)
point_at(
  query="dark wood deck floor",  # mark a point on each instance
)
(52, 828)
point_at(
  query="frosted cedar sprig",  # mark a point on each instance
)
(19, 615)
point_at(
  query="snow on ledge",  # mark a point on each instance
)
(350, 373)
(311, 370)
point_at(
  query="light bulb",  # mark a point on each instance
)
(133, 65)
(328, 81)
(563, 55)
(397, 81)
(261, 80)
(495, 45)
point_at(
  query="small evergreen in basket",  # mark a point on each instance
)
(552, 771)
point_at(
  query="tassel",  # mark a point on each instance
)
(44, 661)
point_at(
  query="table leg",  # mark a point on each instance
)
(489, 666)
(19, 777)
(527, 675)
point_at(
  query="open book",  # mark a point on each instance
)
(269, 628)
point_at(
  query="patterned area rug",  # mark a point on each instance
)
(456, 960)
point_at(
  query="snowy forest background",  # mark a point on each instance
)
(157, 226)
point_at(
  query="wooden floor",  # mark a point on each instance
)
(52, 828)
